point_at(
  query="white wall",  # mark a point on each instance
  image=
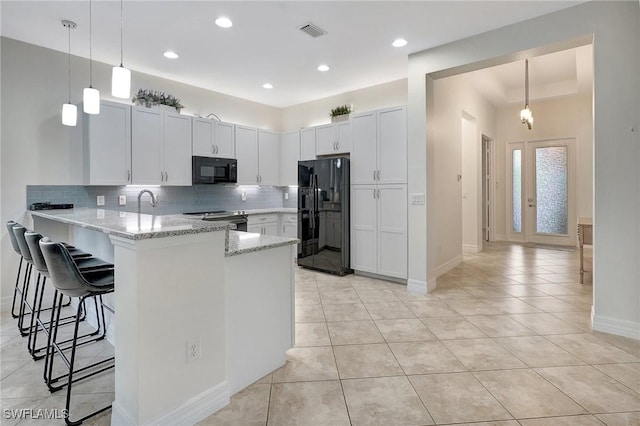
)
(317, 112)
(37, 149)
(615, 29)
(568, 117)
(455, 218)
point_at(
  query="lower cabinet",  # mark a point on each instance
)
(289, 226)
(379, 229)
(266, 224)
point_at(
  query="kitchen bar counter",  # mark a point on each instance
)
(249, 242)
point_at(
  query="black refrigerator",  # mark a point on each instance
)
(323, 215)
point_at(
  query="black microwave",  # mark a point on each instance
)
(214, 170)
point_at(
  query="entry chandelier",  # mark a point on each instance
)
(69, 110)
(525, 114)
(121, 76)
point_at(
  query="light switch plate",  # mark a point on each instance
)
(122, 200)
(416, 199)
(100, 200)
(243, 195)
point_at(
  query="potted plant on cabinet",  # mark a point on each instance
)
(153, 98)
(341, 113)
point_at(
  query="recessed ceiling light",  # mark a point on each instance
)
(267, 86)
(224, 22)
(399, 42)
(323, 68)
(170, 54)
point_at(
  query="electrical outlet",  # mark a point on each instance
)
(417, 199)
(100, 200)
(122, 200)
(193, 350)
(243, 195)
(286, 195)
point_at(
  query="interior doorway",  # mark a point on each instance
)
(487, 188)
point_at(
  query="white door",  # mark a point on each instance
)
(268, 158)
(224, 141)
(177, 149)
(364, 239)
(202, 143)
(146, 146)
(551, 217)
(392, 145)
(542, 192)
(364, 150)
(325, 139)
(308, 144)
(247, 154)
(392, 230)
(344, 137)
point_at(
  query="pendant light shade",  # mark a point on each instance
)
(91, 96)
(69, 115)
(120, 76)
(69, 111)
(91, 100)
(121, 82)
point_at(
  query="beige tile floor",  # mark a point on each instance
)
(504, 340)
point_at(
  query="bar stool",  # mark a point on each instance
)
(84, 264)
(69, 281)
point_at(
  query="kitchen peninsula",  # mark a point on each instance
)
(182, 282)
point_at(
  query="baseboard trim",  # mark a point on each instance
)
(380, 277)
(616, 326)
(119, 416)
(431, 285)
(447, 266)
(417, 286)
(500, 237)
(470, 249)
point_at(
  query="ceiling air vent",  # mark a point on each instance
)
(312, 29)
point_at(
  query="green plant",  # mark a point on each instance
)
(149, 98)
(341, 110)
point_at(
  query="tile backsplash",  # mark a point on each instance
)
(171, 199)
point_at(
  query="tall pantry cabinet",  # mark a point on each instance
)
(379, 192)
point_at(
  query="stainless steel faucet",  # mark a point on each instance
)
(154, 200)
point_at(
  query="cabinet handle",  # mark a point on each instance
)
(378, 194)
(378, 174)
(283, 229)
(374, 194)
(337, 145)
(128, 175)
(216, 146)
(161, 176)
(166, 176)
(213, 149)
(374, 175)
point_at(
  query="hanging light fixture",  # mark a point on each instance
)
(90, 96)
(69, 111)
(120, 76)
(525, 114)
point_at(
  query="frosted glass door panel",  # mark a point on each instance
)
(516, 191)
(551, 190)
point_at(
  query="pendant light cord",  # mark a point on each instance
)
(121, 24)
(69, 32)
(526, 83)
(90, 48)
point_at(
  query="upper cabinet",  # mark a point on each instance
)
(107, 145)
(289, 156)
(379, 153)
(335, 138)
(257, 152)
(213, 138)
(308, 144)
(160, 147)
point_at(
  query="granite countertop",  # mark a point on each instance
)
(132, 226)
(272, 210)
(249, 242)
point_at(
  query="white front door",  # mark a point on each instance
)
(543, 192)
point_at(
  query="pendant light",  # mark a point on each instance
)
(69, 111)
(90, 96)
(120, 76)
(525, 114)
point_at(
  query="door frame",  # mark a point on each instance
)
(490, 185)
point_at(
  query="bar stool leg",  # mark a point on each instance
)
(16, 290)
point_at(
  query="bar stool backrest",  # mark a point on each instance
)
(65, 275)
(18, 232)
(14, 243)
(33, 241)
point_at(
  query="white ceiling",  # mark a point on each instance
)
(265, 45)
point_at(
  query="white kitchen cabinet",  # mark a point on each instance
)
(211, 138)
(308, 144)
(266, 224)
(160, 147)
(268, 158)
(335, 138)
(289, 226)
(107, 145)
(257, 152)
(247, 154)
(379, 229)
(379, 153)
(289, 156)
